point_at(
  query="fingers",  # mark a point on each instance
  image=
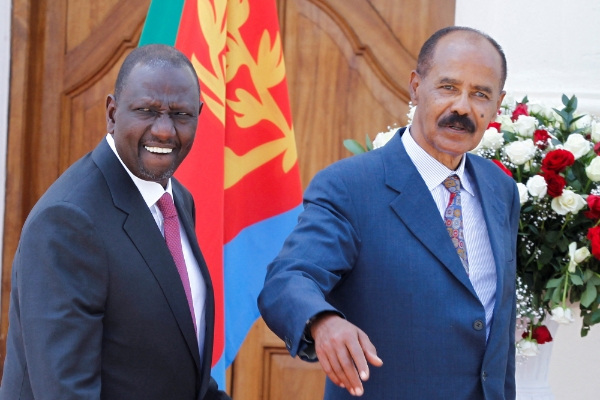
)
(369, 351)
(343, 351)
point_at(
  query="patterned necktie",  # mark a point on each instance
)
(173, 238)
(454, 221)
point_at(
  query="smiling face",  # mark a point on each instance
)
(457, 98)
(154, 120)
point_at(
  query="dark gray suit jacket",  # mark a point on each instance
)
(97, 306)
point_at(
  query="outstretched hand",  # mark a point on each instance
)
(343, 351)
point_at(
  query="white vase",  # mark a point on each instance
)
(532, 372)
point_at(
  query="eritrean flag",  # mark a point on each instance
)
(243, 167)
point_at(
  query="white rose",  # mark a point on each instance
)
(525, 125)
(528, 348)
(583, 122)
(492, 139)
(595, 130)
(541, 110)
(576, 256)
(523, 196)
(520, 152)
(581, 254)
(567, 202)
(562, 315)
(508, 101)
(506, 123)
(382, 138)
(537, 186)
(593, 170)
(577, 145)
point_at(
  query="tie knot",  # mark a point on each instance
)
(166, 206)
(452, 183)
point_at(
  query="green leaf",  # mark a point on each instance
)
(595, 317)
(576, 280)
(353, 146)
(368, 142)
(563, 244)
(588, 274)
(552, 283)
(589, 295)
(525, 100)
(531, 227)
(552, 236)
(565, 100)
(576, 185)
(549, 293)
(596, 280)
(546, 255)
(509, 136)
(557, 296)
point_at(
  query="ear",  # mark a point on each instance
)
(413, 87)
(111, 109)
(500, 99)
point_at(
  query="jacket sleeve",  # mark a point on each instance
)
(510, 385)
(60, 279)
(213, 392)
(320, 250)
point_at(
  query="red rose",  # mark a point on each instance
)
(594, 205)
(521, 109)
(540, 138)
(555, 182)
(557, 160)
(541, 334)
(496, 125)
(597, 148)
(593, 236)
(503, 168)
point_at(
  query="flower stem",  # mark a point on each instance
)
(564, 298)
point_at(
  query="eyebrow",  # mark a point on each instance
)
(480, 88)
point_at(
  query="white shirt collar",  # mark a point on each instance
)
(151, 191)
(432, 171)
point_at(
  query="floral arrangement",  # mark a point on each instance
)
(553, 155)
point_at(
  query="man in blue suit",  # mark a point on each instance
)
(413, 245)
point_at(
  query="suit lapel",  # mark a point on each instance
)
(417, 209)
(183, 209)
(143, 232)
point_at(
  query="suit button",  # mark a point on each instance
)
(288, 342)
(478, 325)
(484, 375)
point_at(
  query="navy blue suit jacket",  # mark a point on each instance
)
(372, 246)
(97, 306)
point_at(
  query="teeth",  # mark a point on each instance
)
(160, 150)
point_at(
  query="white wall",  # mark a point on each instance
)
(5, 19)
(552, 47)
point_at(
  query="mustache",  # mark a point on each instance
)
(461, 121)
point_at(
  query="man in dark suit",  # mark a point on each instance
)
(111, 297)
(413, 245)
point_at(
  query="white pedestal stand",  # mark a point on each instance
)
(532, 375)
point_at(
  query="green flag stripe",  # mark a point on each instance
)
(162, 22)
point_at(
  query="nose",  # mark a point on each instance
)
(163, 128)
(461, 104)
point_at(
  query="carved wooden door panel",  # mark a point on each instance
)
(65, 58)
(348, 63)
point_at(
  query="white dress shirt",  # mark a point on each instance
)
(482, 267)
(151, 192)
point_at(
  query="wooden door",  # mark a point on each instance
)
(348, 63)
(65, 58)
